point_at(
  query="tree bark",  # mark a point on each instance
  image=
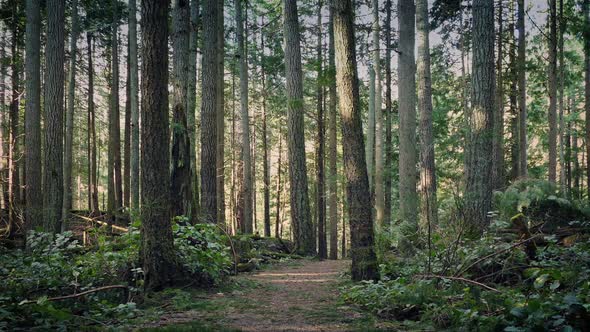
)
(265, 161)
(407, 119)
(586, 6)
(54, 112)
(127, 138)
(388, 118)
(332, 144)
(180, 178)
(478, 191)
(522, 94)
(498, 142)
(69, 125)
(192, 100)
(34, 196)
(209, 112)
(300, 212)
(364, 261)
(134, 105)
(379, 148)
(321, 144)
(94, 208)
(244, 124)
(158, 256)
(561, 129)
(552, 90)
(428, 198)
(14, 119)
(220, 156)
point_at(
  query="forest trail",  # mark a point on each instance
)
(302, 297)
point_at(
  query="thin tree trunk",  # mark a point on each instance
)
(14, 138)
(3, 124)
(478, 191)
(279, 189)
(321, 144)
(514, 108)
(568, 151)
(522, 94)
(244, 123)
(34, 196)
(498, 142)
(127, 138)
(158, 257)
(552, 90)
(300, 212)
(94, 208)
(332, 144)
(428, 201)
(69, 125)
(561, 130)
(265, 161)
(379, 148)
(387, 178)
(220, 121)
(586, 7)
(192, 100)
(364, 261)
(180, 179)
(134, 105)
(407, 119)
(54, 111)
(209, 112)
(370, 148)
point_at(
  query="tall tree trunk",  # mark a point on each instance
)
(279, 188)
(586, 6)
(388, 118)
(379, 190)
(94, 208)
(568, 151)
(244, 124)
(34, 196)
(127, 138)
(220, 120)
(498, 141)
(134, 105)
(192, 100)
(54, 112)
(364, 261)
(69, 125)
(478, 191)
(14, 138)
(300, 212)
(3, 124)
(332, 144)
(370, 148)
(180, 179)
(428, 201)
(158, 256)
(552, 89)
(522, 95)
(209, 132)
(265, 161)
(407, 119)
(561, 130)
(514, 110)
(115, 198)
(321, 144)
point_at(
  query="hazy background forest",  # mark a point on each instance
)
(413, 164)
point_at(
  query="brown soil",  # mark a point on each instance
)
(284, 298)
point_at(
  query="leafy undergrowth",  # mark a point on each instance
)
(33, 280)
(510, 279)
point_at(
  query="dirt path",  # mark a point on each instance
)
(303, 297)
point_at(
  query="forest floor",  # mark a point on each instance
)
(298, 296)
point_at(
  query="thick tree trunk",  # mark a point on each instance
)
(134, 105)
(407, 119)
(180, 180)
(332, 145)
(54, 112)
(244, 123)
(94, 208)
(522, 95)
(209, 112)
(478, 191)
(158, 257)
(364, 261)
(552, 90)
(428, 201)
(300, 212)
(34, 196)
(69, 125)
